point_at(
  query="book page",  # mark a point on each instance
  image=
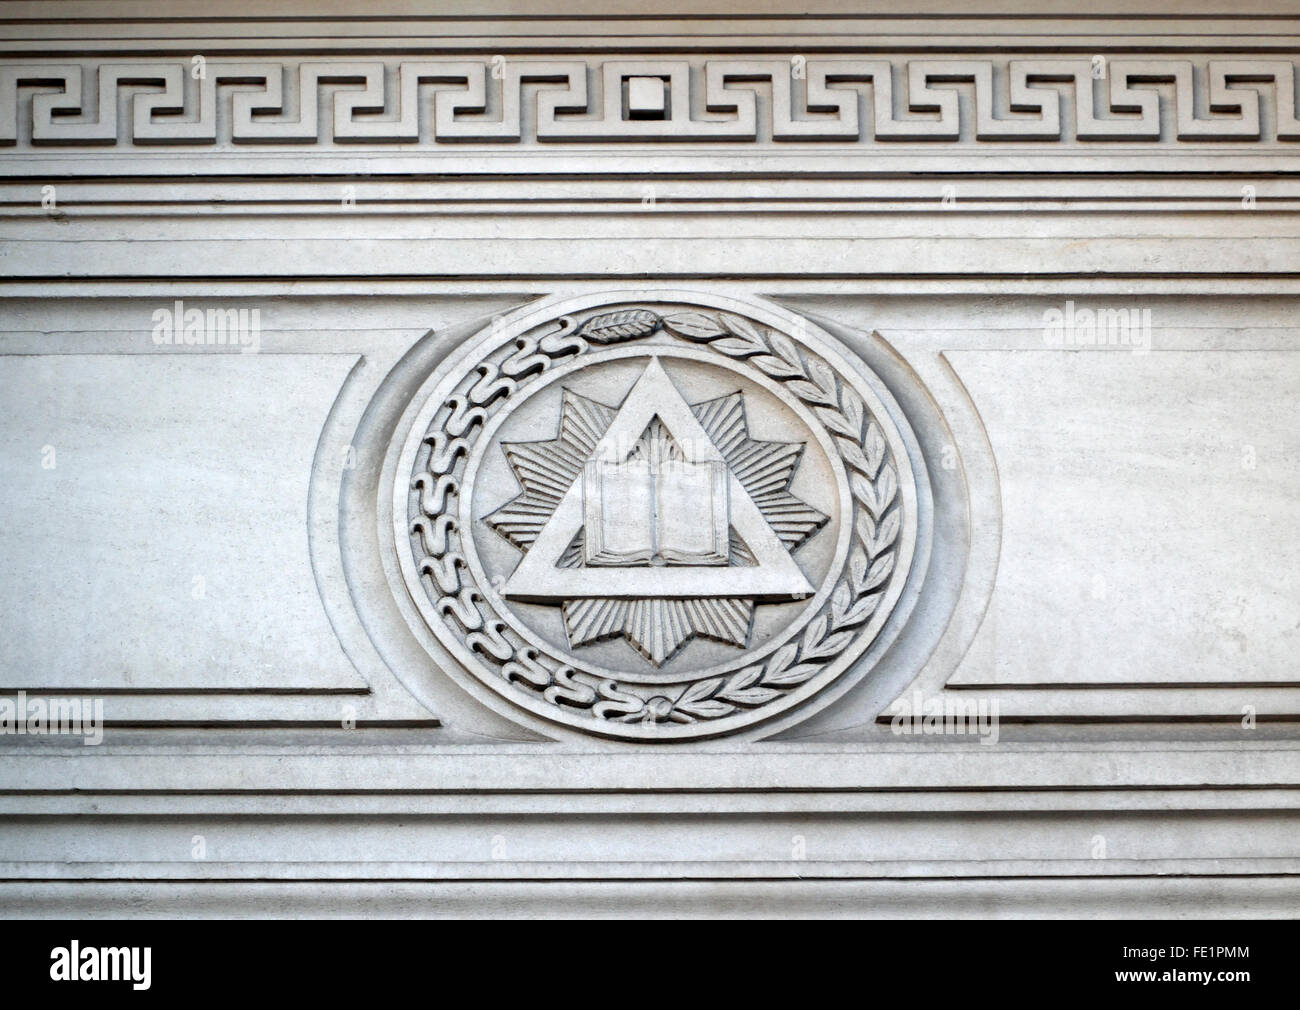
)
(618, 502)
(692, 513)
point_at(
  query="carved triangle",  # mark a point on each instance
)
(654, 400)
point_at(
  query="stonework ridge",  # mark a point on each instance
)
(813, 99)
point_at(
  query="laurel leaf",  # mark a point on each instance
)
(700, 690)
(706, 709)
(736, 347)
(865, 492)
(743, 328)
(696, 700)
(745, 678)
(874, 447)
(852, 453)
(830, 647)
(814, 632)
(837, 423)
(782, 658)
(880, 570)
(863, 609)
(785, 348)
(858, 569)
(886, 488)
(840, 599)
(887, 533)
(749, 695)
(851, 404)
(866, 529)
(614, 327)
(822, 375)
(794, 675)
(875, 497)
(811, 392)
(694, 326)
(776, 367)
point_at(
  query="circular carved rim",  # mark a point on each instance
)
(462, 404)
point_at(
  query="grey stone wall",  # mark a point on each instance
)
(297, 314)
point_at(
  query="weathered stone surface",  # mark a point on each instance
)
(860, 484)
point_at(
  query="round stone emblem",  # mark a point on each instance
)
(656, 519)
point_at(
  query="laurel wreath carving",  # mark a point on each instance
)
(858, 439)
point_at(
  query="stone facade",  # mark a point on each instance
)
(697, 462)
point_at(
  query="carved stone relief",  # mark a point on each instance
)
(654, 520)
(275, 101)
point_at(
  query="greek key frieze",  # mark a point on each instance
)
(680, 100)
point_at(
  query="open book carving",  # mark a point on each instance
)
(655, 508)
(652, 510)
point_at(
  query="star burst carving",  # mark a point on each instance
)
(657, 628)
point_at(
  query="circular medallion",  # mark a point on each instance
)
(654, 520)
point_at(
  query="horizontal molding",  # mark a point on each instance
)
(922, 24)
(1205, 703)
(326, 710)
(561, 844)
(522, 804)
(665, 258)
(623, 834)
(1204, 288)
(1144, 101)
(950, 195)
(1271, 896)
(1237, 165)
(550, 768)
(504, 870)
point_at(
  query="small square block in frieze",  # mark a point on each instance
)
(647, 98)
